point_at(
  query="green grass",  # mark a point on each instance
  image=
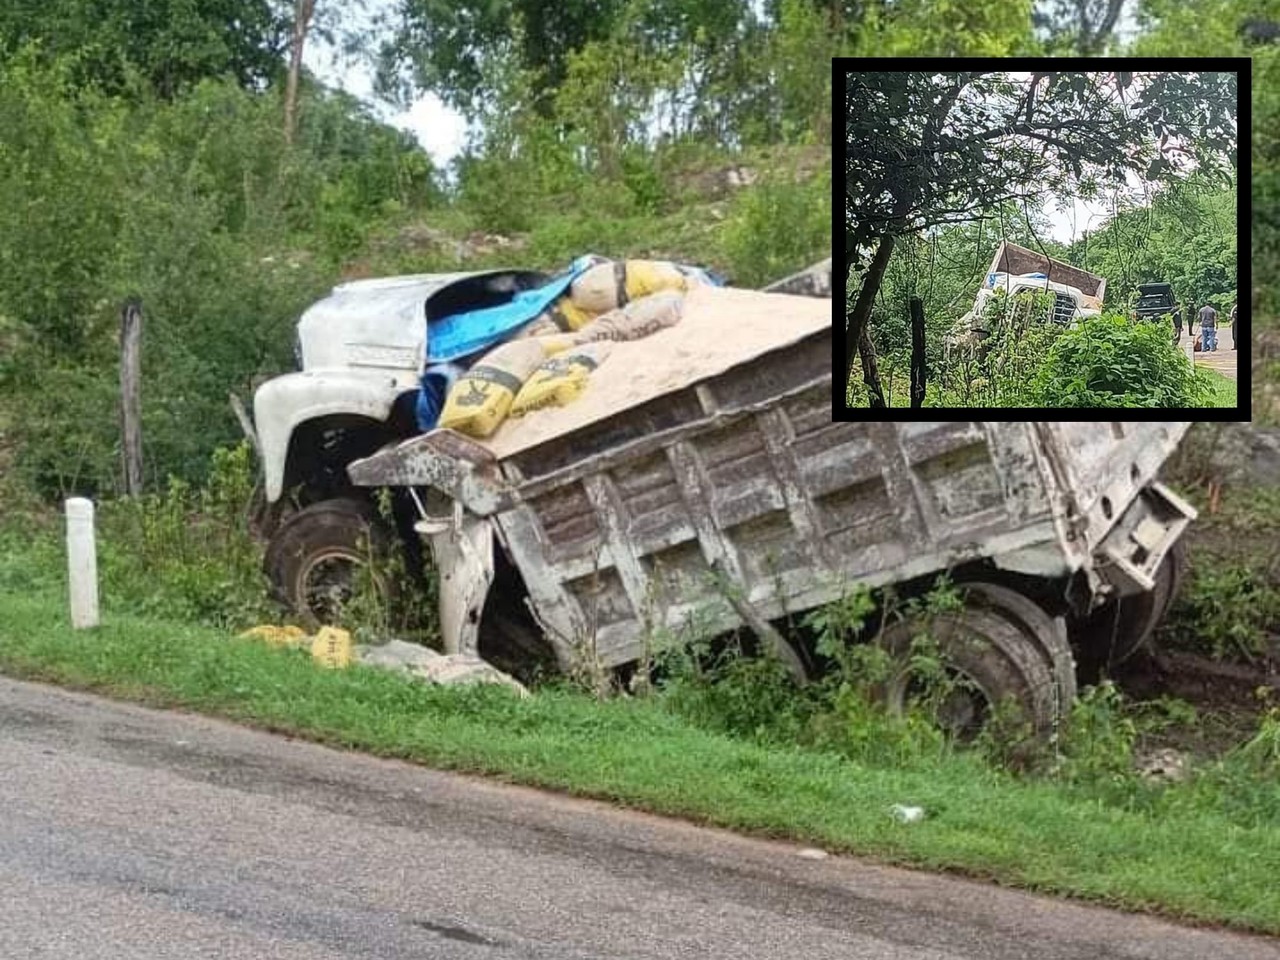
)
(1223, 388)
(1150, 853)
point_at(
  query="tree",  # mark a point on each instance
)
(301, 22)
(1084, 26)
(923, 149)
(170, 44)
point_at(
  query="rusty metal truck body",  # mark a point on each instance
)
(731, 495)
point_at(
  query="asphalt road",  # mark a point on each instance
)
(136, 834)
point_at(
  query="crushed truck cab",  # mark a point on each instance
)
(361, 350)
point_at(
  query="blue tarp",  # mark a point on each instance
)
(462, 334)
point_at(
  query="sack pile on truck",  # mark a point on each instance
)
(479, 400)
(560, 379)
(548, 369)
(602, 300)
(610, 285)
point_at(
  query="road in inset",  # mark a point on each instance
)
(131, 834)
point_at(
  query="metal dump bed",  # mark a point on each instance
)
(739, 486)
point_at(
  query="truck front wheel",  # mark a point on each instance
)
(316, 556)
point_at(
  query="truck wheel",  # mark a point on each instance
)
(1114, 632)
(313, 557)
(990, 660)
(1048, 633)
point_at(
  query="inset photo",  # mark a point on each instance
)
(1042, 237)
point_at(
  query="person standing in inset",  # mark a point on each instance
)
(1177, 322)
(1233, 325)
(1208, 328)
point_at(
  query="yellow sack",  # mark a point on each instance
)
(332, 647)
(610, 285)
(562, 316)
(479, 399)
(560, 379)
(645, 316)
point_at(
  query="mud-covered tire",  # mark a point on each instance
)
(993, 659)
(1049, 634)
(314, 554)
(1114, 632)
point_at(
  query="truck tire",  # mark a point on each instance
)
(995, 661)
(313, 556)
(1048, 633)
(1114, 632)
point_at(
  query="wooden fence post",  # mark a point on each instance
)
(131, 395)
(918, 372)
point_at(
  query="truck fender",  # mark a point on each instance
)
(281, 404)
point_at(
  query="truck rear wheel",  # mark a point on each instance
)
(990, 663)
(1049, 634)
(315, 555)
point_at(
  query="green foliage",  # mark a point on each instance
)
(187, 552)
(1100, 736)
(1185, 237)
(1113, 362)
(750, 697)
(168, 45)
(1227, 609)
(843, 712)
(192, 204)
(776, 226)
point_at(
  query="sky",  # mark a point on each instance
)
(441, 131)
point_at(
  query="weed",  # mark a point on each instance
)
(1227, 609)
(774, 226)
(386, 598)
(188, 552)
(1099, 738)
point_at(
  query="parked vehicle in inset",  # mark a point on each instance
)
(1155, 300)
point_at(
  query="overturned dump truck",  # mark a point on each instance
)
(1016, 271)
(706, 483)
(699, 480)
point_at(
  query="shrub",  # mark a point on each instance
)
(775, 227)
(188, 553)
(1227, 609)
(1109, 361)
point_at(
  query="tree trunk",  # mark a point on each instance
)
(301, 22)
(857, 320)
(870, 373)
(131, 396)
(918, 372)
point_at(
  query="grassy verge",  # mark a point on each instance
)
(1223, 389)
(1158, 850)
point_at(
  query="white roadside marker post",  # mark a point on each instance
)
(82, 563)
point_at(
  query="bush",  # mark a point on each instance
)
(188, 553)
(1109, 361)
(776, 227)
(1227, 609)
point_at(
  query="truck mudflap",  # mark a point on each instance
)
(1129, 555)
